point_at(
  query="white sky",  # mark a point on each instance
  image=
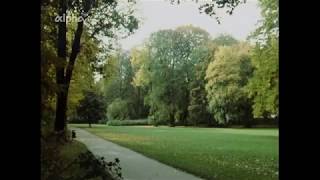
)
(160, 14)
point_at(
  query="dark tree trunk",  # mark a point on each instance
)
(139, 103)
(61, 111)
(74, 53)
(184, 117)
(171, 120)
(185, 108)
(211, 121)
(61, 103)
(89, 123)
(248, 120)
(247, 114)
(63, 81)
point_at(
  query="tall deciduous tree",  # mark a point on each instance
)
(102, 18)
(48, 60)
(263, 87)
(226, 76)
(269, 24)
(197, 110)
(83, 73)
(168, 70)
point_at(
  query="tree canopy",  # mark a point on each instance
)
(226, 76)
(178, 76)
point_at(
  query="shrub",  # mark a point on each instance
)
(160, 117)
(59, 162)
(118, 110)
(91, 108)
(103, 121)
(156, 121)
(139, 122)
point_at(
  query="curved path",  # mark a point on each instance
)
(134, 165)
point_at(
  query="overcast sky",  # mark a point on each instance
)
(160, 14)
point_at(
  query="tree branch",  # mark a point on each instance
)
(74, 52)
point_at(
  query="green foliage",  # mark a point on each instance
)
(140, 60)
(269, 25)
(210, 7)
(73, 161)
(103, 121)
(197, 109)
(117, 83)
(111, 80)
(263, 86)
(118, 110)
(48, 61)
(108, 18)
(160, 116)
(167, 71)
(96, 167)
(225, 40)
(83, 73)
(226, 77)
(138, 122)
(91, 108)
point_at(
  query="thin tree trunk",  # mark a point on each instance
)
(139, 103)
(172, 123)
(89, 123)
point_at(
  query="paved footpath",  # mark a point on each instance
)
(134, 165)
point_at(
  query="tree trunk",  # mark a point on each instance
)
(89, 124)
(61, 103)
(63, 81)
(139, 103)
(184, 117)
(209, 117)
(61, 111)
(171, 120)
(74, 53)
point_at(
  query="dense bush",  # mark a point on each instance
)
(102, 121)
(118, 110)
(138, 122)
(160, 116)
(92, 108)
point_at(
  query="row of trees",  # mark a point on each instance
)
(184, 77)
(193, 80)
(167, 79)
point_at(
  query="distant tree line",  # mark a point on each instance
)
(184, 77)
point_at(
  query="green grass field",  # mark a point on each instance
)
(210, 153)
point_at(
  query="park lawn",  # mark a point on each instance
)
(210, 153)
